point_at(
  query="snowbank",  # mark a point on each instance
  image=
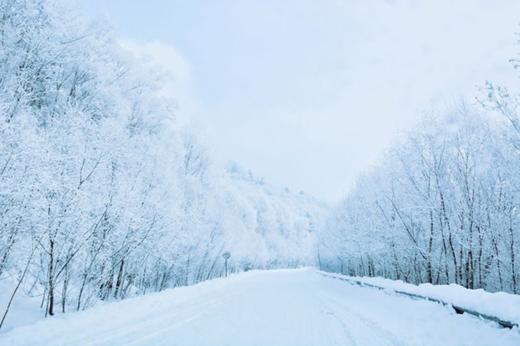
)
(504, 306)
(24, 309)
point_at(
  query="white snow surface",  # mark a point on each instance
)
(24, 309)
(505, 306)
(277, 307)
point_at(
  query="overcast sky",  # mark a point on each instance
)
(309, 93)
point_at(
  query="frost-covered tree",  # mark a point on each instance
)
(102, 194)
(441, 208)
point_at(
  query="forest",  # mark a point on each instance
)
(103, 194)
(442, 206)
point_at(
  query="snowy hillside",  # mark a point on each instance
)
(283, 223)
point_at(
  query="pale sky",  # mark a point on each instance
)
(309, 93)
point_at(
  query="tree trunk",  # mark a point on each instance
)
(119, 279)
(50, 301)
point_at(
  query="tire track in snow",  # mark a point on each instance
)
(355, 320)
(384, 336)
(134, 330)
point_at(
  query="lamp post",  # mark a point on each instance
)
(226, 256)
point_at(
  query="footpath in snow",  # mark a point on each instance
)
(279, 307)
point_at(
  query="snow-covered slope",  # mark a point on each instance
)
(24, 309)
(505, 306)
(279, 307)
(268, 226)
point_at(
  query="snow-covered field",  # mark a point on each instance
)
(279, 307)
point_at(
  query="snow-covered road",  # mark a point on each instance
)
(282, 307)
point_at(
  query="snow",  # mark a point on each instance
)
(277, 307)
(502, 305)
(24, 309)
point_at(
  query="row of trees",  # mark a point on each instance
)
(443, 206)
(102, 194)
